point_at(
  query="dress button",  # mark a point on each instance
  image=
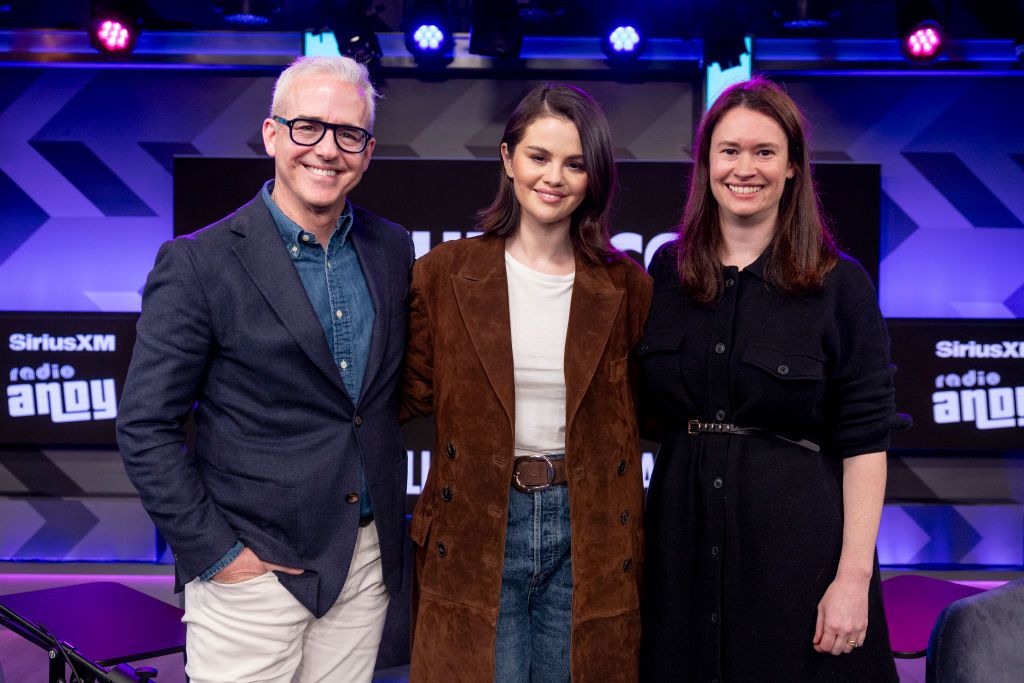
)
(720, 415)
(717, 483)
(719, 347)
(714, 551)
(627, 565)
(358, 422)
(621, 469)
(446, 494)
(450, 451)
(783, 369)
(714, 617)
(351, 498)
(729, 282)
(442, 549)
(624, 517)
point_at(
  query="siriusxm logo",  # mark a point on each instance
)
(973, 349)
(26, 341)
(51, 390)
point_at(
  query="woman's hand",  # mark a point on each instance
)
(842, 616)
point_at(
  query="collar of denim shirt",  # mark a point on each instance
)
(291, 232)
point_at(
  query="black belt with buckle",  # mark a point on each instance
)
(694, 427)
(537, 472)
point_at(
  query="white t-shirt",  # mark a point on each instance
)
(539, 314)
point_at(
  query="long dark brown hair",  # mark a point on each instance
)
(802, 251)
(589, 226)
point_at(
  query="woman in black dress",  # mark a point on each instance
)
(766, 378)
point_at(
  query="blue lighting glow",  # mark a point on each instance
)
(428, 37)
(624, 38)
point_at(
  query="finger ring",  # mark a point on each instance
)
(853, 643)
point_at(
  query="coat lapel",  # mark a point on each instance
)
(481, 289)
(266, 260)
(373, 259)
(595, 305)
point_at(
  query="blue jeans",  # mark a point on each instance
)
(535, 616)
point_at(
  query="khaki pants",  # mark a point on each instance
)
(257, 631)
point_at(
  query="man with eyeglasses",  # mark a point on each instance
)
(281, 328)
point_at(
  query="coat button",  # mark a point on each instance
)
(714, 551)
(351, 497)
(729, 282)
(643, 349)
(714, 617)
(719, 347)
(783, 369)
(446, 494)
(358, 421)
(717, 483)
(450, 451)
(720, 415)
(621, 469)
(624, 517)
(442, 549)
(627, 565)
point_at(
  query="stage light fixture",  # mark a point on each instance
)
(921, 32)
(353, 30)
(247, 12)
(624, 41)
(496, 29)
(114, 27)
(428, 33)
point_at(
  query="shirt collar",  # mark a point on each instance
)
(292, 233)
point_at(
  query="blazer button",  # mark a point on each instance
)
(446, 494)
(627, 565)
(351, 497)
(442, 549)
(783, 369)
(717, 483)
(358, 422)
(621, 469)
(624, 517)
(643, 349)
(720, 415)
(451, 451)
(719, 347)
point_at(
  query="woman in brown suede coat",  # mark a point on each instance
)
(519, 344)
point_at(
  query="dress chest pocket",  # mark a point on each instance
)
(783, 389)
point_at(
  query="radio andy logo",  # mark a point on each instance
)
(51, 389)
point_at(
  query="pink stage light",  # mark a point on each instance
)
(113, 35)
(923, 42)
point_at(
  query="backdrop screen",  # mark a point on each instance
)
(63, 375)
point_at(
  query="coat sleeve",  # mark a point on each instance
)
(864, 400)
(418, 375)
(173, 346)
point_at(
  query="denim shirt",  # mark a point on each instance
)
(336, 287)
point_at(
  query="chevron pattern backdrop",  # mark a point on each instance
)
(85, 191)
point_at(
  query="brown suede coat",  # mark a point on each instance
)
(459, 367)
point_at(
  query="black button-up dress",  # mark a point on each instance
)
(744, 532)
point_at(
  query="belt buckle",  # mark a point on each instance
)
(530, 488)
(693, 427)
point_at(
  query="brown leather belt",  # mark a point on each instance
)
(694, 427)
(537, 472)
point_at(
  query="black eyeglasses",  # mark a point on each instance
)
(309, 132)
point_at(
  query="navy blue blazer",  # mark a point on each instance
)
(227, 332)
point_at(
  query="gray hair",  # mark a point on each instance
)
(343, 68)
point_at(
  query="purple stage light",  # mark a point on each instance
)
(113, 35)
(924, 41)
(428, 37)
(624, 38)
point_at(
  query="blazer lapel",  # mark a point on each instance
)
(595, 304)
(373, 259)
(481, 289)
(265, 259)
